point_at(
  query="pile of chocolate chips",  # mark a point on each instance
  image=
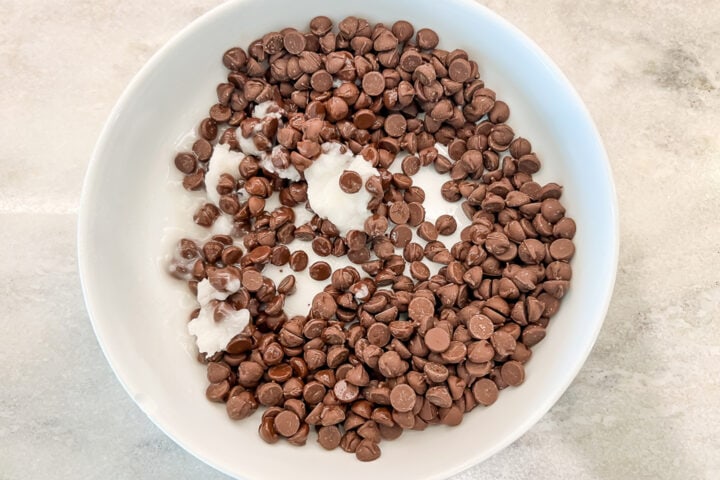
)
(380, 351)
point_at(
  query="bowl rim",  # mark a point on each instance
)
(84, 231)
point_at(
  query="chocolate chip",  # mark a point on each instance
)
(373, 84)
(552, 210)
(378, 334)
(426, 75)
(241, 405)
(320, 25)
(480, 351)
(220, 113)
(332, 415)
(420, 309)
(217, 372)
(348, 27)
(286, 423)
(519, 147)
(185, 162)
(385, 41)
(399, 213)
(529, 163)
(480, 327)
(322, 246)
(445, 225)
(400, 235)
(364, 119)
(427, 38)
(376, 225)
(367, 451)
(402, 398)
(513, 373)
(300, 438)
(532, 335)
(346, 392)
(417, 214)
(395, 125)
(403, 30)
(269, 394)
(194, 181)
(218, 392)
(391, 364)
(564, 228)
(350, 181)
(485, 391)
(309, 62)
(208, 129)
(522, 353)
(562, 249)
(358, 376)
(411, 165)
(439, 396)
(320, 271)
(259, 254)
(234, 59)
(206, 215)
(419, 271)
(436, 372)
(437, 340)
(459, 70)
(329, 437)
(280, 373)
(294, 42)
(272, 43)
(321, 81)
(410, 60)
(267, 430)
(336, 109)
(427, 231)
(499, 113)
(298, 260)
(413, 252)
(502, 342)
(238, 345)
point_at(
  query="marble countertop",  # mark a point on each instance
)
(645, 405)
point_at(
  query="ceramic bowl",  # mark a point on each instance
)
(131, 204)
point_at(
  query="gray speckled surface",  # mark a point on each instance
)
(646, 404)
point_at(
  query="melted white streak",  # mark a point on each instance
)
(223, 225)
(299, 302)
(212, 336)
(435, 206)
(247, 145)
(362, 292)
(302, 214)
(222, 161)
(262, 110)
(347, 211)
(206, 293)
(289, 173)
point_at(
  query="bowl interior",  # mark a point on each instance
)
(132, 202)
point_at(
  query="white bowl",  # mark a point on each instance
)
(128, 204)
